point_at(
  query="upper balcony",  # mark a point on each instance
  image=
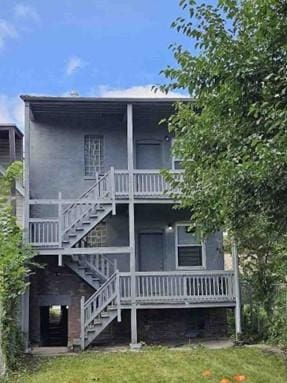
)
(57, 219)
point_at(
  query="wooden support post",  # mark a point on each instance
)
(113, 190)
(12, 158)
(60, 260)
(118, 297)
(60, 218)
(82, 322)
(25, 312)
(236, 291)
(27, 172)
(130, 151)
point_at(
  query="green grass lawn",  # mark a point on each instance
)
(157, 365)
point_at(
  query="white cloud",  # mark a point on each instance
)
(22, 11)
(7, 31)
(74, 64)
(141, 91)
(12, 111)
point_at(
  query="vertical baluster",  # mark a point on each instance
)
(217, 286)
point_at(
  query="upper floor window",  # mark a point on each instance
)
(176, 162)
(94, 155)
(190, 250)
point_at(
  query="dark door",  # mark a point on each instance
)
(151, 251)
(148, 155)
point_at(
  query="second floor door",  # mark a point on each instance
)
(149, 155)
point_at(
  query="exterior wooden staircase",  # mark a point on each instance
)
(104, 305)
(80, 218)
(95, 269)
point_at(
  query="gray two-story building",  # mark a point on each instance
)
(120, 261)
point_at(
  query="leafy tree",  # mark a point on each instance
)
(14, 269)
(232, 138)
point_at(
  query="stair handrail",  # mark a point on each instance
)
(89, 300)
(112, 265)
(83, 195)
(99, 310)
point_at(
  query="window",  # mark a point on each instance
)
(190, 250)
(94, 155)
(176, 162)
(97, 237)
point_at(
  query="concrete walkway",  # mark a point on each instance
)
(60, 351)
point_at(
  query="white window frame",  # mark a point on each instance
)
(174, 159)
(203, 250)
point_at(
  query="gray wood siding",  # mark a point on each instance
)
(156, 219)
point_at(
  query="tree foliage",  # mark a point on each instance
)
(232, 137)
(15, 260)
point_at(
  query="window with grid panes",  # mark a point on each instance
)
(94, 155)
(97, 237)
(189, 249)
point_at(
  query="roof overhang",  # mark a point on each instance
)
(93, 106)
(7, 127)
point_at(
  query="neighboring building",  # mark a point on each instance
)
(11, 149)
(121, 263)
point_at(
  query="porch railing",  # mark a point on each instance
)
(147, 183)
(44, 231)
(193, 287)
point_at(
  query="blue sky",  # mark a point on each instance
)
(97, 47)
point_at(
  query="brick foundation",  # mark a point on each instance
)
(54, 285)
(168, 325)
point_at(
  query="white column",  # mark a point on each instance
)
(236, 291)
(26, 296)
(130, 151)
(26, 172)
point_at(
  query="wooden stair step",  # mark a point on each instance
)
(112, 308)
(105, 315)
(86, 222)
(79, 228)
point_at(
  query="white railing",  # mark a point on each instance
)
(50, 231)
(101, 190)
(100, 264)
(147, 183)
(100, 300)
(44, 231)
(193, 287)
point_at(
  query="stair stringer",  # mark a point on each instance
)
(91, 280)
(92, 334)
(77, 236)
(100, 310)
